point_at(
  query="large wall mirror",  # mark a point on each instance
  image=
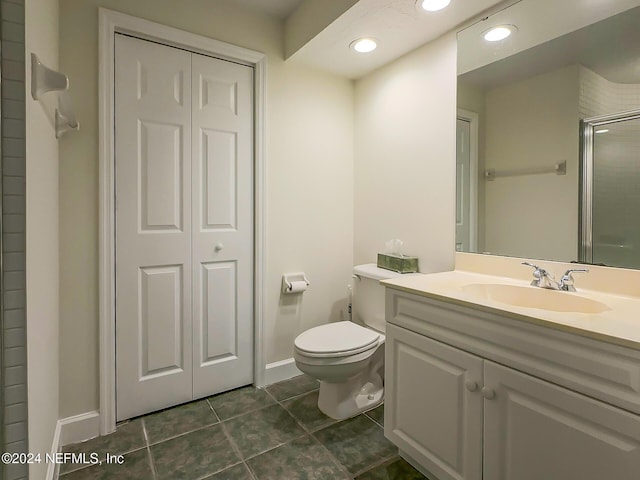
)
(548, 136)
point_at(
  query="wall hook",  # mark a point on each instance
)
(44, 79)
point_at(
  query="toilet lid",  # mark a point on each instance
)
(336, 339)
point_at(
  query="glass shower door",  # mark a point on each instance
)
(615, 191)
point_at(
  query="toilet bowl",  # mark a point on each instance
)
(348, 357)
(351, 373)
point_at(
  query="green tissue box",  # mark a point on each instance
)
(397, 263)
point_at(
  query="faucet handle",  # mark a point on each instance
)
(539, 274)
(539, 271)
(576, 270)
(567, 281)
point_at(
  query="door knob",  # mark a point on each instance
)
(471, 385)
(218, 247)
(488, 393)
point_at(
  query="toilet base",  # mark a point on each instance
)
(361, 392)
(340, 401)
(348, 385)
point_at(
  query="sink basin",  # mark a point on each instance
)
(534, 297)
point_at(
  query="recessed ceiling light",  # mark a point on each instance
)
(433, 5)
(495, 34)
(604, 130)
(364, 45)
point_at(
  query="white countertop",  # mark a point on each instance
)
(620, 325)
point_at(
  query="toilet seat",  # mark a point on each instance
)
(335, 340)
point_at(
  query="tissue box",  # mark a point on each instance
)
(398, 263)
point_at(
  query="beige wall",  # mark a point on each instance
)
(405, 156)
(309, 182)
(42, 238)
(533, 215)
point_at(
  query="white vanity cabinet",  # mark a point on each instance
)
(535, 430)
(462, 405)
(429, 413)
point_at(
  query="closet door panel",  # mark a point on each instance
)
(222, 216)
(153, 226)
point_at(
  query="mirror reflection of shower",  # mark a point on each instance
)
(610, 230)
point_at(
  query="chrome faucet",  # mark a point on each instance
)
(542, 278)
(567, 281)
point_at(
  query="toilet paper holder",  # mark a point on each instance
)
(294, 282)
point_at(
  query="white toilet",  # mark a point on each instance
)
(348, 357)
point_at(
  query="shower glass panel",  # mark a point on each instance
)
(616, 192)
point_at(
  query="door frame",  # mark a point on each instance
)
(110, 23)
(473, 118)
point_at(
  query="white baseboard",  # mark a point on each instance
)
(52, 469)
(279, 371)
(79, 428)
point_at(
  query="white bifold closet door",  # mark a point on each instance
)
(184, 226)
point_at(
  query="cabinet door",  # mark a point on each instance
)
(433, 404)
(536, 430)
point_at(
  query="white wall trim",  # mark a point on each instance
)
(260, 216)
(78, 428)
(280, 371)
(72, 430)
(473, 118)
(52, 469)
(111, 22)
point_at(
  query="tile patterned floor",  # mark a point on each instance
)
(277, 433)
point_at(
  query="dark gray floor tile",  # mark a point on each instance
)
(358, 443)
(240, 401)
(194, 455)
(305, 409)
(263, 429)
(178, 420)
(127, 437)
(136, 466)
(302, 458)
(239, 472)
(295, 386)
(397, 469)
(377, 414)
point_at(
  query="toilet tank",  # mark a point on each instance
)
(368, 295)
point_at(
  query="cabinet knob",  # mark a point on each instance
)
(488, 393)
(218, 247)
(471, 385)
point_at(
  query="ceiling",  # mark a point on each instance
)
(278, 8)
(611, 48)
(399, 26)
